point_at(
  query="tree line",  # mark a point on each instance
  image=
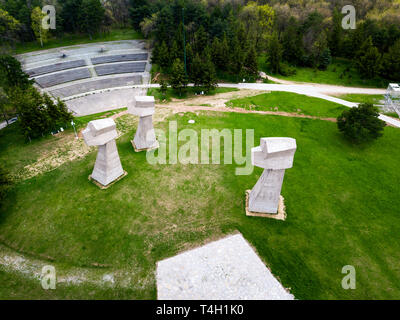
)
(38, 113)
(225, 39)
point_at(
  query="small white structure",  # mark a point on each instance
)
(275, 155)
(145, 138)
(392, 98)
(108, 166)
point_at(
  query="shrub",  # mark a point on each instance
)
(361, 124)
(287, 70)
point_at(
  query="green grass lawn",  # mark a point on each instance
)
(362, 98)
(74, 39)
(367, 98)
(190, 92)
(336, 74)
(289, 102)
(342, 206)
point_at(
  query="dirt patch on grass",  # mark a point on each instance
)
(218, 103)
(67, 148)
(217, 100)
(192, 108)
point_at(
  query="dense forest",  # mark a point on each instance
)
(226, 37)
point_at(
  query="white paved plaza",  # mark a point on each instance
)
(228, 269)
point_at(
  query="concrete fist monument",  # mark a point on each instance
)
(108, 166)
(274, 155)
(145, 138)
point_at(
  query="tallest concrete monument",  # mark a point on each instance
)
(274, 155)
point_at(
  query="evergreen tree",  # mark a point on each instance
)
(292, 43)
(236, 58)
(163, 56)
(70, 15)
(209, 80)
(275, 51)
(38, 114)
(189, 58)
(325, 59)
(336, 35)
(251, 63)
(361, 124)
(216, 52)
(139, 10)
(91, 16)
(368, 59)
(319, 48)
(11, 74)
(224, 59)
(178, 78)
(391, 62)
(201, 39)
(196, 74)
(175, 53)
(163, 87)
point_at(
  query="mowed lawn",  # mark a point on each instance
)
(342, 205)
(289, 102)
(340, 72)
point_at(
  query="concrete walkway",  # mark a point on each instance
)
(227, 269)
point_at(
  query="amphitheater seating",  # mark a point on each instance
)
(120, 58)
(120, 68)
(63, 77)
(93, 85)
(55, 67)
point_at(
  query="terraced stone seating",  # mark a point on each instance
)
(55, 67)
(120, 68)
(120, 58)
(96, 85)
(63, 77)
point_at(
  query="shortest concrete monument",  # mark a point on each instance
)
(275, 155)
(145, 138)
(108, 166)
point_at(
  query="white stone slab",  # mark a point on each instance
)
(227, 269)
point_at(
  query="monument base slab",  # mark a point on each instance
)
(146, 149)
(110, 184)
(281, 215)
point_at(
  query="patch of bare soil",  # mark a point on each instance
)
(217, 100)
(218, 103)
(68, 148)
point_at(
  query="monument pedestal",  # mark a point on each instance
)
(108, 166)
(145, 137)
(280, 215)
